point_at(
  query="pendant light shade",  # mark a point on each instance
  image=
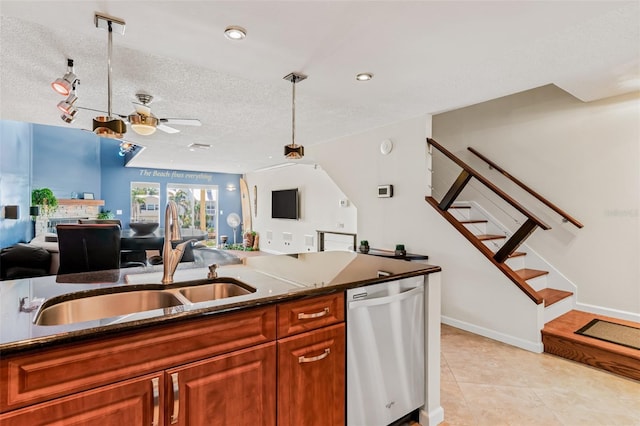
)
(294, 151)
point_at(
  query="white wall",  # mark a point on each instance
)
(584, 157)
(475, 295)
(320, 209)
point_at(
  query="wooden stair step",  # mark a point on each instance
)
(559, 338)
(527, 274)
(487, 237)
(468, 222)
(552, 295)
(517, 254)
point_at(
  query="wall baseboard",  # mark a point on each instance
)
(614, 313)
(495, 335)
(435, 417)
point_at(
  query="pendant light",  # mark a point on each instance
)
(293, 151)
(109, 126)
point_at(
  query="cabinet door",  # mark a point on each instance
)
(131, 402)
(233, 389)
(311, 378)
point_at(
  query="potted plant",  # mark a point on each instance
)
(364, 246)
(44, 198)
(106, 214)
(400, 251)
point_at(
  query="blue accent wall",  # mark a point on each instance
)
(15, 169)
(66, 160)
(69, 160)
(116, 187)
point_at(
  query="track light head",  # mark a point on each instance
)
(66, 106)
(70, 116)
(65, 85)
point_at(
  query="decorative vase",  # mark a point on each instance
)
(364, 249)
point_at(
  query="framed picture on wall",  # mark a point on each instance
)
(88, 196)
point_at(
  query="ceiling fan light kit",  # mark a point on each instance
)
(293, 151)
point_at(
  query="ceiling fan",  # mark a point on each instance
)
(144, 122)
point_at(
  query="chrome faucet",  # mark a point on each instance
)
(171, 256)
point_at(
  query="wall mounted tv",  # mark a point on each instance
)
(284, 204)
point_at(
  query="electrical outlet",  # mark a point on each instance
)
(118, 212)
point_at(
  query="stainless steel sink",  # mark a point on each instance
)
(105, 306)
(214, 291)
(87, 307)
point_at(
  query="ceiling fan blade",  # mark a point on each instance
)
(181, 121)
(142, 109)
(167, 129)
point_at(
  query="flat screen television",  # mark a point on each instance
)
(284, 204)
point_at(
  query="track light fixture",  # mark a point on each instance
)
(65, 84)
(293, 151)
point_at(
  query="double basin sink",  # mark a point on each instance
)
(118, 301)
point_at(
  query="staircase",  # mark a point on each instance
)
(532, 272)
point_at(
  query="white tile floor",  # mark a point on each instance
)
(485, 382)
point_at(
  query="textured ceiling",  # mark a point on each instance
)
(427, 57)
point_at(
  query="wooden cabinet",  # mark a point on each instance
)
(311, 378)
(234, 389)
(311, 364)
(131, 402)
(221, 370)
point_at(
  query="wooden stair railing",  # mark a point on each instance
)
(465, 176)
(511, 274)
(565, 216)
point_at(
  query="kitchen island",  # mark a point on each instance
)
(45, 368)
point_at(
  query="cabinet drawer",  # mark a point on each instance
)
(308, 314)
(40, 376)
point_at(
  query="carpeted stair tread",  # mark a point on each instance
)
(527, 274)
(552, 295)
(559, 338)
(487, 237)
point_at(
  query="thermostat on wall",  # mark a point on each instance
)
(385, 191)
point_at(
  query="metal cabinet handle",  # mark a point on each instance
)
(176, 398)
(155, 400)
(322, 313)
(323, 355)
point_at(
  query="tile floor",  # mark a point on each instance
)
(485, 382)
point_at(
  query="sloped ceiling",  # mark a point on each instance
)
(426, 56)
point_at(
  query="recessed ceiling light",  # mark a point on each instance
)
(235, 32)
(364, 76)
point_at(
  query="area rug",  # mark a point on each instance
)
(620, 334)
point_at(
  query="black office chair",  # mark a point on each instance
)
(91, 247)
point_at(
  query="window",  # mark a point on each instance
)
(145, 202)
(197, 206)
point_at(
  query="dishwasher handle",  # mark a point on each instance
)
(387, 299)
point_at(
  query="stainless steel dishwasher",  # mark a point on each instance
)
(385, 351)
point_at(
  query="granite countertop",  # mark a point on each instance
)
(276, 278)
